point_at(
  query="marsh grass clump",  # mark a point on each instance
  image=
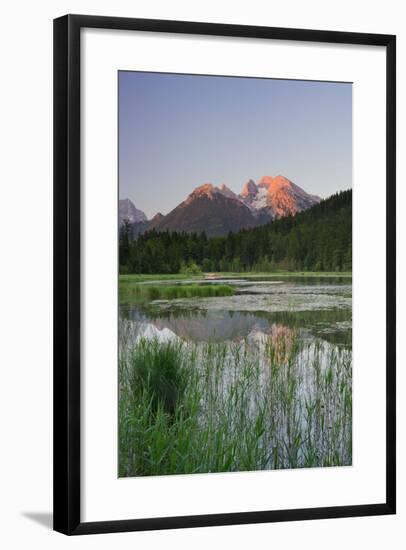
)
(157, 370)
(234, 406)
(130, 292)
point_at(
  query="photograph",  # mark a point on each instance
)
(235, 274)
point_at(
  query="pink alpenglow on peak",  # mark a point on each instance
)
(266, 181)
(217, 210)
(277, 197)
(276, 182)
(209, 190)
(273, 197)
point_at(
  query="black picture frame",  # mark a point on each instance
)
(67, 294)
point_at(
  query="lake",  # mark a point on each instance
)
(316, 307)
(260, 378)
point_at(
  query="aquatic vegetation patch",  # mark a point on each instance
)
(227, 407)
(138, 293)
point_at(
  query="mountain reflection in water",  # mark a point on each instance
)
(315, 309)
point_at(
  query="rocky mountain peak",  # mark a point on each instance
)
(265, 181)
(127, 211)
(218, 210)
(276, 196)
(250, 189)
(226, 191)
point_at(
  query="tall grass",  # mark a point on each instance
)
(189, 408)
(157, 370)
(140, 293)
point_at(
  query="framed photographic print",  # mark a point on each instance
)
(224, 270)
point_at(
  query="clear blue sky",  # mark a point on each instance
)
(177, 132)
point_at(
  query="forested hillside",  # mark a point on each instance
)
(319, 239)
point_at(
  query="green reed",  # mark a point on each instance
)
(226, 407)
(133, 293)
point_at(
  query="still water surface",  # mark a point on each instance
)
(316, 307)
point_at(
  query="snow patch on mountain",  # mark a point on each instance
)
(276, 197)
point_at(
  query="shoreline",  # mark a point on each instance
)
(135, 277)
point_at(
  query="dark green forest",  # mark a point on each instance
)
(319, 239)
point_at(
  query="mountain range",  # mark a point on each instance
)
(218, 210)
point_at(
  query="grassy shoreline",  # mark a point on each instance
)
(287, 274)
(141, 278)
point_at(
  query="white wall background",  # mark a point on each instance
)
(25, 290)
